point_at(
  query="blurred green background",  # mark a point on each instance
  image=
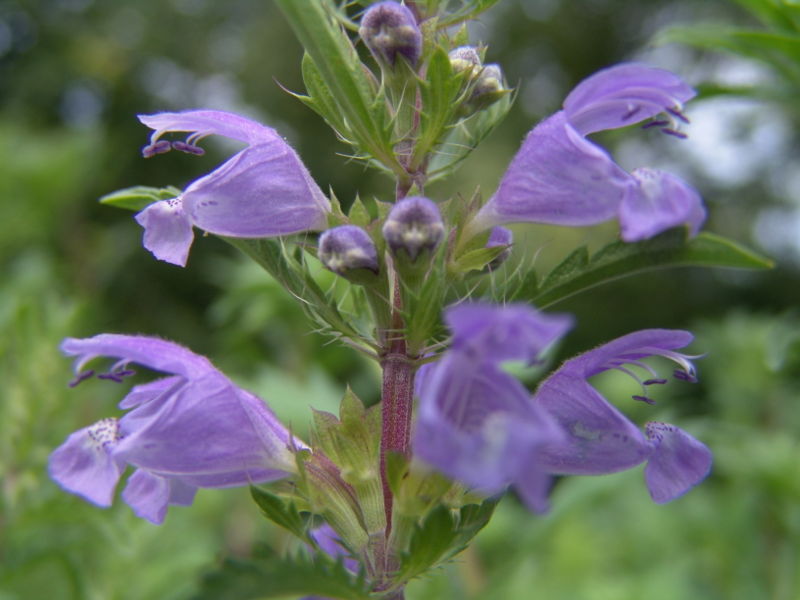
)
(73, 73)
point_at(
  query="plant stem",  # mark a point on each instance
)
(396, 396)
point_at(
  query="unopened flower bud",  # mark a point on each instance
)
(490, 81)
(464, 58)
(388, 29)
(500, 236)
(488, 88)
(348, 251)
(414, 225)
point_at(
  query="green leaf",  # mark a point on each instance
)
(440, 92)
(442, 534)
(472, 518)
(468, 12)
(475, 260)
(341, 73)
(358, 213)
(579, 273)
(138, 197)
(281, 512)
(320, 99)
(465, 137)
(429, 542)
(274, 577)
(775, 14)
(780, 50)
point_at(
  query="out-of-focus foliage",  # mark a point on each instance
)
(73, 73)
(775, 42)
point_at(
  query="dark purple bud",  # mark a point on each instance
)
(464, 58)
(346, 249)
(659, 381)
(414, 225)
(500, 236)
(389, 29)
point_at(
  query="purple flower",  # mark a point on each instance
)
(600, 439)
(476, 423)
(191, 429)
(262, 191)
(560, 177)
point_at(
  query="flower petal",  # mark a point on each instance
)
(147, 495)
(203, 432)
(599, 439)
(207, 122)
(181, 493)
(533, 486)
(264, 190)
(462, 423)
(156, 354)
(622, 95)
(556, 177)
(84, 464)
(656, 202)
(636, 345)
(147, 392)
(679, 462)
(496, 334)
(167, 231)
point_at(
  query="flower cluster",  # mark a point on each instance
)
(478, 424)
(451, 411)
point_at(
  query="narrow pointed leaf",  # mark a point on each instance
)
(475, 260)
(619, 259)
(342, 74)
(138, 197)
(439, 93)
(319, 97)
